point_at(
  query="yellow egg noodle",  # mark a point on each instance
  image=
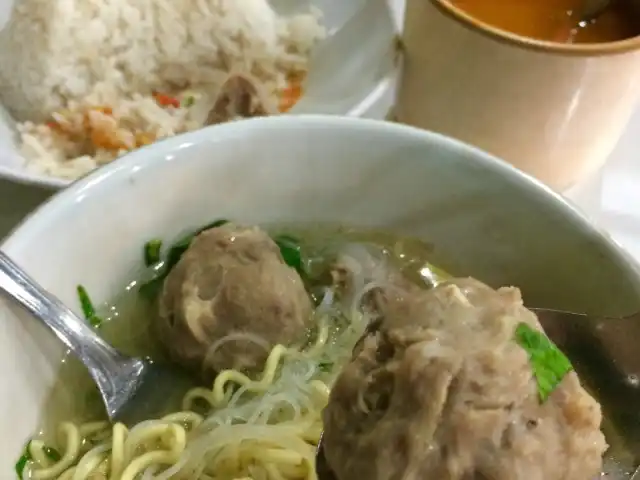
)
(262, 429)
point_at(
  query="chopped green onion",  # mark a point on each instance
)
(181, 246)
(88, 309)
(548, 363)
(21, 464)
(289, 248)
(217, 223)
(291, 252)
(85, 302)
(152, 252)
(22, 461)
(288, 238)
(188, 101)
(152, 288)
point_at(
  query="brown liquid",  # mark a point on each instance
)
(554, 20)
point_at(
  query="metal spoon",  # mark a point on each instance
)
(604, 352)
(132, 389)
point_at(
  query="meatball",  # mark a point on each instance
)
(440, 390)
(229, 300)
(365, 275)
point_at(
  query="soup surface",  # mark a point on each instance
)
(236, 427)
(256, 411)
(554, 20)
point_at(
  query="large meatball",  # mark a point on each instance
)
(229, 300)
(441, 390)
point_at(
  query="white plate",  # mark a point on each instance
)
(351, 73)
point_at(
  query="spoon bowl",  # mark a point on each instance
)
(132, 389)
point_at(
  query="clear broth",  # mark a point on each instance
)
(127, 326)
(128, 318)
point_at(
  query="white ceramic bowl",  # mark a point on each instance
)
(352, 72)
(482, 217)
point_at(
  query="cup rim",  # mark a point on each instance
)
(569, 49)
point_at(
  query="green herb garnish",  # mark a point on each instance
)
(21, 464)
(152, 252)
(188, 101)
(88, 309)
(289, 248)
(548, 363)
(291, 252)
(152, 288)
(22, 461)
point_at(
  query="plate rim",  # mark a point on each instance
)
(22, 175)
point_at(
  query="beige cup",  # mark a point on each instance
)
(555, 111)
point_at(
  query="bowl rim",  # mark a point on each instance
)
(144, 157)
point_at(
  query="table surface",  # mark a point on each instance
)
(611, 198)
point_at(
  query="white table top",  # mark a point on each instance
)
(611, 197)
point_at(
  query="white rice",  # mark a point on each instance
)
(60, 59)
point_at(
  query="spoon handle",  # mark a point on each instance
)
(100, 358)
